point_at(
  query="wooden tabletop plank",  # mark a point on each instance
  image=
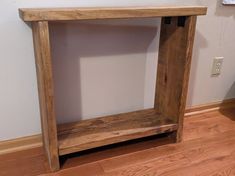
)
(57, 14)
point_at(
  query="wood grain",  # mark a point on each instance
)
(175, 52)
(46, 91)
(212, 124)
(111, 129)
(56, 14)
(177, 164)
(200, 155)
(28, 163)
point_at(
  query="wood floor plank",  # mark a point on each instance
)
(149, 168)
(28, 162)
(211, 123)
(227, 169)
(92, 169)
(179, 168)
(174, 161)
(162, 151)
(202, 168)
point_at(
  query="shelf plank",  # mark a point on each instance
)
(87, 134)
(56, 14)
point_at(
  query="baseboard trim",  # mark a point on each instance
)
(30, 142)
(20, 144)
(210, 107)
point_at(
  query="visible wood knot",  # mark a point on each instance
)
(165, 78)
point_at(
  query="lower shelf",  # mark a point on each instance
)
(87, 134)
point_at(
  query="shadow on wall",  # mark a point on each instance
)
(224, 10)
(199, 43)
(231, 92)
(74, 44)
(229, 113)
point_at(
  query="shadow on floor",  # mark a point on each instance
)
(109, 151)
(229, 113)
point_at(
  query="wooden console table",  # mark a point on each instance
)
(175, 52)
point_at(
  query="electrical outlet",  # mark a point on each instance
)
(217, 66)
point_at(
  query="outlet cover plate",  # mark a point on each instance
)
(217, 66)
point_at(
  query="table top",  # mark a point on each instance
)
(63, 14)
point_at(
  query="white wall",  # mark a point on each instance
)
(215, 36)
(19, 112)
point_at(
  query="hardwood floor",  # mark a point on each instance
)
(208, 149)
